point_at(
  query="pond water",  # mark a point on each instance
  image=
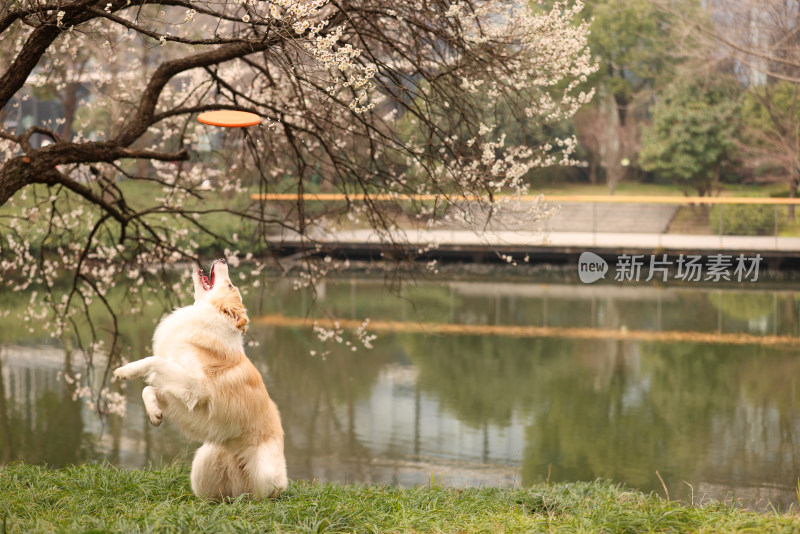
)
(493, 380)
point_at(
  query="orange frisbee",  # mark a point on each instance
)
(229, 118)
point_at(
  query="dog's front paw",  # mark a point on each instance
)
(155, 417)
(120, 373)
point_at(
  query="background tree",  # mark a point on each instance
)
(635, 47)
(759, 35)
(770, 139)
(760, 39)
(691, 138)
(607, 141)
(135, 184)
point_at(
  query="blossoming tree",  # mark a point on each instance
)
(356, 96)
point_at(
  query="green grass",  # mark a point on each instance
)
(99, 498)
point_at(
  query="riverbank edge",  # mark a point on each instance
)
(103, 498)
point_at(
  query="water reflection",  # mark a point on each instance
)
(480, 409)
(39, 422)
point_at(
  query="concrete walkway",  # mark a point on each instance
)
(609, 218)
(552, 217)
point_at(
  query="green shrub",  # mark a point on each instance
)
(742, 219)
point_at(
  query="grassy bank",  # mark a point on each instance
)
(102, 498)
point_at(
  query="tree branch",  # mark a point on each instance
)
(155, 35)
(54, 177)
(145, 115)
(37, 44)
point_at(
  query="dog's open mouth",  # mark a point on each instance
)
(207, 281)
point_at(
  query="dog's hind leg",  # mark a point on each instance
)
(265, 469)
(151, 405)
(216, 473)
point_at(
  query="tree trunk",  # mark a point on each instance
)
(13, 177)
(592, 170)
(70, 103)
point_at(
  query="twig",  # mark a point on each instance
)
(662, 484)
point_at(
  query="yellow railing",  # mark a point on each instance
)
(279, 320)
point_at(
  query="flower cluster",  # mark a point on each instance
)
(104, 401)
(335, 332)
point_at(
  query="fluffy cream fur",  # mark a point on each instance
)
(200, 378)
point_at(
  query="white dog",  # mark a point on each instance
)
(200, 378)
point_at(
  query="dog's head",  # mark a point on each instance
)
(217, 290)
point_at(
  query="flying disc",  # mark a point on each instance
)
(229, 118)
